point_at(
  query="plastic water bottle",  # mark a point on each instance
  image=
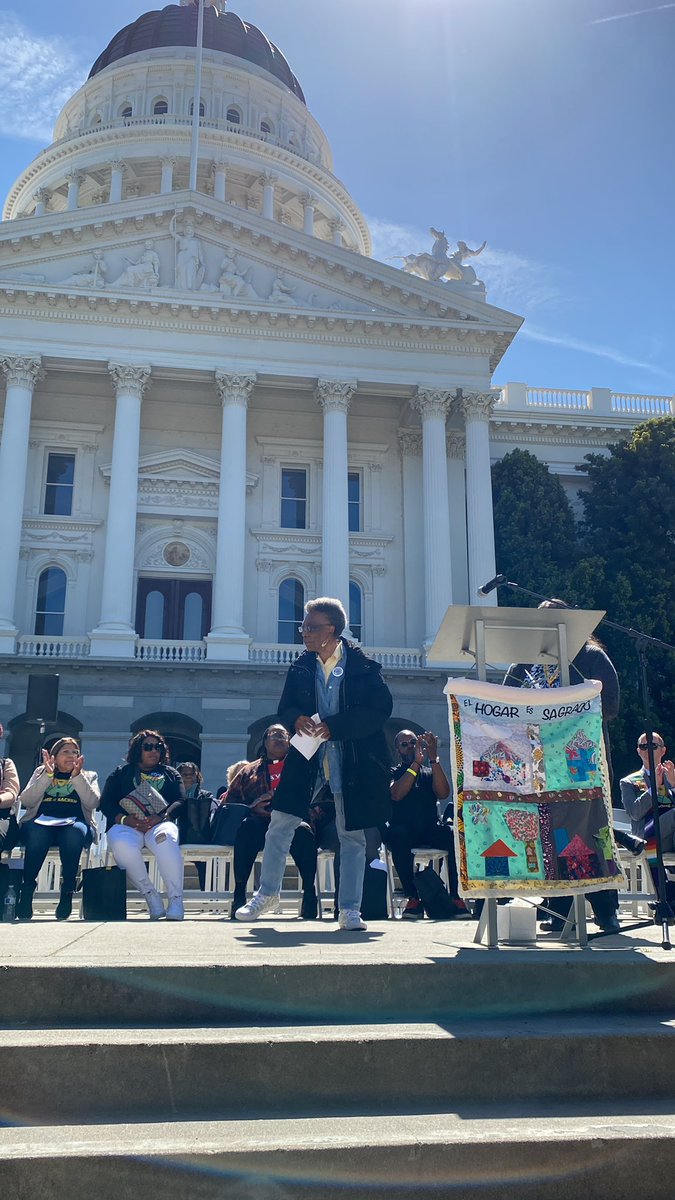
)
(9, 907)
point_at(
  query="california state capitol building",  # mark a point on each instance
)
(216, 406)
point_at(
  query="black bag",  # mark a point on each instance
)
(225, 823)
(374, 900)
(104, 894)
(437, 902)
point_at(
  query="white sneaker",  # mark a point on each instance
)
(257, 906)
(350, 919)
(175, 911)
(155, 905)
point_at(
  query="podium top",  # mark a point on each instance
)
(522, 635)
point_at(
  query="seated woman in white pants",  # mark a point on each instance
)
(147, 762)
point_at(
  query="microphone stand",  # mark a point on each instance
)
(664, 915)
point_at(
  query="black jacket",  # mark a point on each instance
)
(365, 705)
(121, 782)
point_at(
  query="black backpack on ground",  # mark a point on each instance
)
(437, 902)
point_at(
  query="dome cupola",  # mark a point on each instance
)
(176, 25)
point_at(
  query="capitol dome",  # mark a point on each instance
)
(176, 25)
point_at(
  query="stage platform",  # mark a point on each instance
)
(209, 1060)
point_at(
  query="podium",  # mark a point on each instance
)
(484, 636)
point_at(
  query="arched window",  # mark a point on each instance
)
(355, 610)
(266, 126)
(233, 116)
(160, 108)
(193, 617)
(51, 602)
(153, 626)
(126, 112)
(291, 608)
(202, 109)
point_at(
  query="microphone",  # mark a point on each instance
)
(491, 585)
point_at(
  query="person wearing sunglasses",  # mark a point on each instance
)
(636, 797)
(129, 833)
(334, 693)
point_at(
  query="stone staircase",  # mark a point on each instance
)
(487, 1074)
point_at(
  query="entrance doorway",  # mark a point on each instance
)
(173, 609)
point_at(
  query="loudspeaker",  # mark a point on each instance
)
(42, 701)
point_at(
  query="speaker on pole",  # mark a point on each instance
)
(42, 700)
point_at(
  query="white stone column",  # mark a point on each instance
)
(115, 636)
(74, 180)
(116, 179)
(432, 405)
(336, 227)
(228, 640)
(21, 374)
(219, 181)
(166, 184)
(308, 205)
(41, 197)
(334, 397)
(268, 182)
(477, 408)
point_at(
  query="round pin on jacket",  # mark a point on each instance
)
(338, 671)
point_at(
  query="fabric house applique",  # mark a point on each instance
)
(497, 859)
(504, 765)
(581, 756)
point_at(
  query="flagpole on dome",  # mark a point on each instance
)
(197, 98)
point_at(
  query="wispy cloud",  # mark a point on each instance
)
(533, 289)
(597, 349)
(37, 75)
(639, 12)
(512, 281)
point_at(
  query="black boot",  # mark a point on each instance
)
(64, 906)
(238, 899)
(309, 904)
(24, 906)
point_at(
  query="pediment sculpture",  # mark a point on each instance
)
(440, 265)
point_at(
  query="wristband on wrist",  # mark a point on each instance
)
(409, 771)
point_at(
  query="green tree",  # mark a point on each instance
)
(535, 530)
(628, 537)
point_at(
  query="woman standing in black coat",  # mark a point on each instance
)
(335, 680)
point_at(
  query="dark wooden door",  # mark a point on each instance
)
(173, 609)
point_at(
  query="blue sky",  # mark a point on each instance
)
(544, 126)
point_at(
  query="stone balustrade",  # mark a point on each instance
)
(520, 397)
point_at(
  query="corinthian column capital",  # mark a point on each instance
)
(455, 445)
(410, 441)
(130, 379)
(22, 371)
(432, 402)
(478, 404)
(234, 389)
(334, 395)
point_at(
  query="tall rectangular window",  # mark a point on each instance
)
(293, 498)
(354, 501)
(60, 482)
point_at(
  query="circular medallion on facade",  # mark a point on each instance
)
(176, 554)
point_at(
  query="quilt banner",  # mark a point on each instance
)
(533, 812)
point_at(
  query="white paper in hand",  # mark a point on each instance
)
(306, 743)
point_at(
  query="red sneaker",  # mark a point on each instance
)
(413, 911)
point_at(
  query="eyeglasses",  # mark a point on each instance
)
(650, 745)
(152, 746)
(406, 741)
(312, 628)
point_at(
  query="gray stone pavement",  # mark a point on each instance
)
(208, 938)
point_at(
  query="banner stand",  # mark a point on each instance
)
(482, 635)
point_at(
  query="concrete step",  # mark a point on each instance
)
(470, 984)
(538, 1153)
(92, 1075)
